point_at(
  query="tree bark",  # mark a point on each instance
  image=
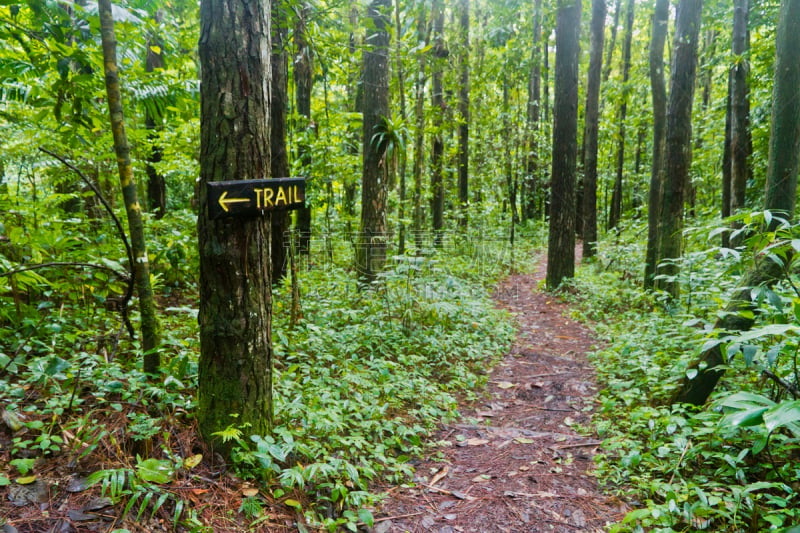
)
(612, 42)
(592, 130)
(235, 318)
(561, 237)
(464, 119)
(149, 327)
(401, 170)
(533, 113)
(658, 90)
(371, 244)
(725, 210)
(678, 148)
(279, 156)
(615, 212)
(781, 190)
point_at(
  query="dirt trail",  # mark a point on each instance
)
(514, 463)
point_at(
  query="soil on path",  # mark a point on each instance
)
(514, 462)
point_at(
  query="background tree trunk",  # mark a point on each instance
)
(615, 213)
(423, 36)
(591, 129)
(533, 113)
(371, 245)
(279, 107)
(561, 237)
(740, 117)
(235, 368)
(678, 148)
(156, 184)
(658, 90)
(437, 96)
(781, 191)
(303, 82)
(141, 270)
(463, 110)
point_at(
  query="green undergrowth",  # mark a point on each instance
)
(733, 465)
(361, 380)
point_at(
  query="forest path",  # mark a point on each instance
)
(515, 463)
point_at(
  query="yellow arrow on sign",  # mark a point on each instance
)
(224, 201)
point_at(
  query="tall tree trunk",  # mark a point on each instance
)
(303, 82)
(591, 129)
(780, 197)
(235, 367)
(141, 271)
(740, 117)
(561, 239)
(658, 90)
(437, 149)
(727, 186)
(678, 148)
(533, 111)
(463, 110)
(156, 184)
(612, 42)
(279, 107)
(615, 213)
(401, 82)
(423, 36)
(371, 245)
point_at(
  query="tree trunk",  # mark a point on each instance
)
(401, 82)
(437, 149)
(279, 157)
(612, 42)
(678, 148)
(371, 245)
(235, 367)
(463, 109)
(740, 117)
(658, 90)
(781, 191)
(156, 185)
(591, 130)
(615, 212)
(561, 240)
(141, 271)
(419, 121)
(533, 113)
(725, 211)
(303, 82)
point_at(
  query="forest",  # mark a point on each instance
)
(261, 261)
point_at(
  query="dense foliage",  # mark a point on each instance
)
(733, 465)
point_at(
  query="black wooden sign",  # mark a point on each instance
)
(243, 198)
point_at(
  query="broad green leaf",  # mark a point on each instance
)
(155, 471)
(782, 414)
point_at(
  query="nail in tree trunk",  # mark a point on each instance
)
(561, 237)
(141, 271)
(678, 148)
(658, 91)
(463, 110)
(615, 212)
(235, 318)
(591, 129)
(371, 240)
(279, 106)
(780, 197)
